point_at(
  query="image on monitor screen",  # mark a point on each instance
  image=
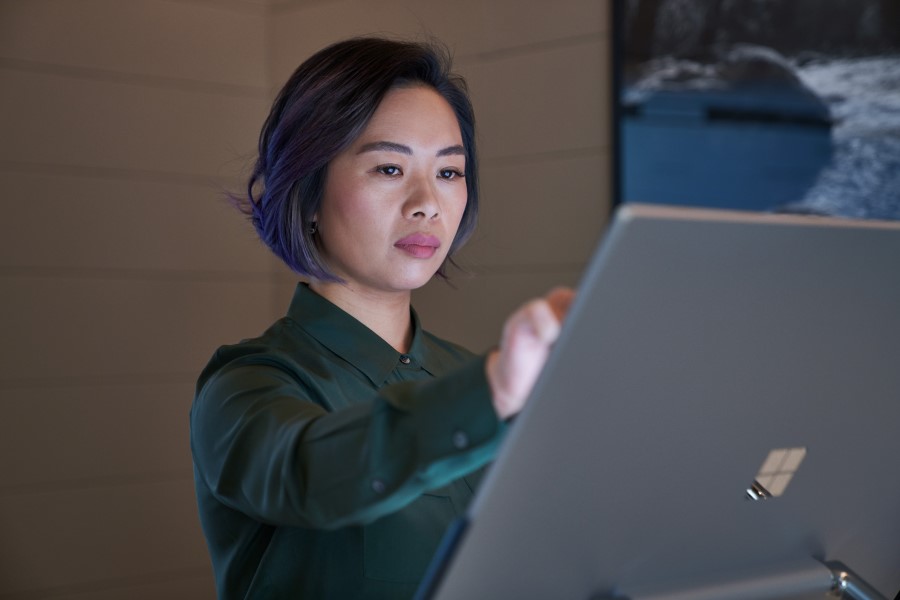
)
(767, 105)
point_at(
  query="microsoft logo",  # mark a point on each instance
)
(775, 473)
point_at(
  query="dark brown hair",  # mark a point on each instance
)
(320, 111)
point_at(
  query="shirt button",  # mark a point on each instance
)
(460, 440)
(378, 486)
(405, 359)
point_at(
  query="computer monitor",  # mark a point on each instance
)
(718, 419)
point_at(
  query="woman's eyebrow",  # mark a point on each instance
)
(384, 146)
(457, 149)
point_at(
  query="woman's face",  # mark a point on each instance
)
(393, 200)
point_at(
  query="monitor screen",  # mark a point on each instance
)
(760, 105)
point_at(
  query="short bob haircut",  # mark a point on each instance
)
(322, 109)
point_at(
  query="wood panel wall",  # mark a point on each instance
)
(122, 266)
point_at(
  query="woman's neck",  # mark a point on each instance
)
(385, 313)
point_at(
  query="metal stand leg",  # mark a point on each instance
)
(849, 585)
(831, 579)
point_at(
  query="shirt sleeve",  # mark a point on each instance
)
(265, 449)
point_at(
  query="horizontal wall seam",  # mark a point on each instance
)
(132, 274)
(550, 155)
(95, 381)
(92, 483)
(135, 79)
(498, 54)
(225, 184)
(282, 7)
(238, 6)
(112, 584)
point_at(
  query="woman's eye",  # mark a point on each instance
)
(389, 170)
(450, 173)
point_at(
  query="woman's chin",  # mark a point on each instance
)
(413, 280)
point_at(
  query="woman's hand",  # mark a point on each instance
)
(525, 344)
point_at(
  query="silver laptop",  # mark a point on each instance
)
(719, 419)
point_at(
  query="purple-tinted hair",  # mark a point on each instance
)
(320, 111)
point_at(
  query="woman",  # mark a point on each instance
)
(331, 452)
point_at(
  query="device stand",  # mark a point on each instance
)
(848, 584)
(832, 579)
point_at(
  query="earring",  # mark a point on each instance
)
(313, 228)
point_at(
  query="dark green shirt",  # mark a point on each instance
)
(327, 464)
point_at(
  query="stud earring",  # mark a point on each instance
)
(313, 228)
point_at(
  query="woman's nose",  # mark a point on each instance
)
(422, 201)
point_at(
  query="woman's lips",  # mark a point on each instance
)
(419, 245)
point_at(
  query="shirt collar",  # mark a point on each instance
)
(347, 337)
